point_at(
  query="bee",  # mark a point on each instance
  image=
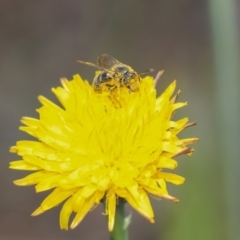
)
(114, 75)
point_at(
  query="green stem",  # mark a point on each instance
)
(120, 229)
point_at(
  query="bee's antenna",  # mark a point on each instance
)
(149, 70)
(94, 65)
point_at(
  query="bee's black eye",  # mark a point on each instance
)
(104, 77)
(122, 70)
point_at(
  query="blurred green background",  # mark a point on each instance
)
(195, 42)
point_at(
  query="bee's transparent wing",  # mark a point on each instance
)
(106, 61)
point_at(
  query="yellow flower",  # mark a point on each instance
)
(102, 147)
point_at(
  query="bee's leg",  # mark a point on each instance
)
(133, 89)
(113, 89)
(97, 88)
(159, 74)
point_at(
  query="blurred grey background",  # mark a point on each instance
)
(195, 42)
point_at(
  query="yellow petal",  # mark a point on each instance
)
(152, 187)
(111, 208)
(139, 200)
(29, 130)
(33, 178)
(49, 104)
(22, 165)
(30, 122)
(170, 177)
(65, 214)
(48, 183)
(53, 199)
(88, 203)
(179, 105)
(167, 162)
